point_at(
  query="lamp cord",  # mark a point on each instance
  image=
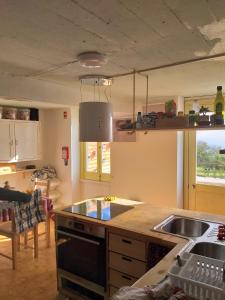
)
(146, 103)
(134, 96)
(81, 92)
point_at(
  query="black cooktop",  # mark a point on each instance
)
(98, 209)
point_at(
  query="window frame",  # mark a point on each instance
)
(95, 176)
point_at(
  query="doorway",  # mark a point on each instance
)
(205, 171)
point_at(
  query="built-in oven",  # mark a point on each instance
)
(80, 255)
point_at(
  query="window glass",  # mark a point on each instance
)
(91, 157)
(106, 166)
(210, 164)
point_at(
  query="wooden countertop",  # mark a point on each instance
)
(141, 220)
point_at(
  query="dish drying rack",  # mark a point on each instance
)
(200, 277)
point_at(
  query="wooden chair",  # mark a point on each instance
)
(44, 185)
(8, 229)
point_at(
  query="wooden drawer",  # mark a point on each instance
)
(112, 290)
(119, 279)
(128, 265)
(127, 246)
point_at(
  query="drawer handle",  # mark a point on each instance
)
(126, 258)
(126, 241)
(126, 277)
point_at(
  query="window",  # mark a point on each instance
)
(95, 161)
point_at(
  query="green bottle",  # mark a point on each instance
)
(219, 107)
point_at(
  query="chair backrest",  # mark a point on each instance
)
(44, 185)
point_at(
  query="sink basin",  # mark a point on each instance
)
(209, 250)
(185, 227)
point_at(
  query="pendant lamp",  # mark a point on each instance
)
(95, 117)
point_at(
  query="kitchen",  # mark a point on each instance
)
(41, 44)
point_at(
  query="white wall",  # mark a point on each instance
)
(145, 170)
(57, 133)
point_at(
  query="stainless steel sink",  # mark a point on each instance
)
(183, 226)
(211, 250)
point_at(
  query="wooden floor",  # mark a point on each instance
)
(34, 279)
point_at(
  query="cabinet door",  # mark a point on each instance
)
(6, 142)
(26, 140)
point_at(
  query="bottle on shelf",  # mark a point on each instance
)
(139, 121)
(219, 107)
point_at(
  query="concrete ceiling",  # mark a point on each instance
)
(40, 38)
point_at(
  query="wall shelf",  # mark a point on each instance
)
(215, 127)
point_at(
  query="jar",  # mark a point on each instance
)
(23, 114)
(9, 113)
(193, 118)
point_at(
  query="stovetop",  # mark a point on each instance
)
(98, 209)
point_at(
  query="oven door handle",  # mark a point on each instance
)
(81, 238)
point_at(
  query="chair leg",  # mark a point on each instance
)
(35, 241)
(18, 242)
(25, 239)
(48, 231)
(14, 251)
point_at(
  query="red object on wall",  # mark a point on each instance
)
(65, 115)
(65, 154)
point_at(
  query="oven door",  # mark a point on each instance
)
(81, 254)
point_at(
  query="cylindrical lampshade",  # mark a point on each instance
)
(95, 121)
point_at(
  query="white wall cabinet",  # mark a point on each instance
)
(19, 141)
(5, 142)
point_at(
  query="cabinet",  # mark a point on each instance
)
(19, 140)
(130, 258)
(127, 261)
(5, 142)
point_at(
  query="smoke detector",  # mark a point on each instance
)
(92, 59)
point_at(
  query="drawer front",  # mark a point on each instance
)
(127, 246)
(112, 290)
(118, 279)
(127, 264)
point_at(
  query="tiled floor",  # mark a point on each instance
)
(34, 279)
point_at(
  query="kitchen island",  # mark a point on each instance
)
(136, 227)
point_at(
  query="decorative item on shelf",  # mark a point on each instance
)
(219, 107)
(160, 115)
(152, 117)
(9, 112)
(139, 122)
(95, 118)
(203, 118)
(193, 118)
(170, 108)
(23, 114)
(180, 114)
(34, 114)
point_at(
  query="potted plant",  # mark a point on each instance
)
(203, 118)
